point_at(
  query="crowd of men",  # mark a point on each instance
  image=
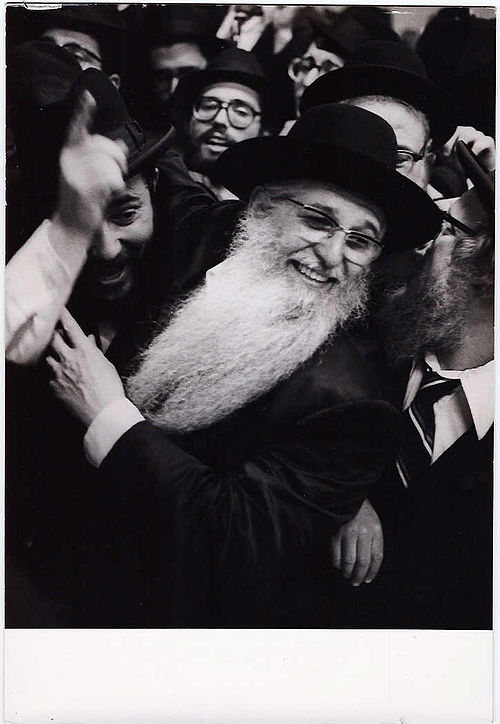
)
(249, 318)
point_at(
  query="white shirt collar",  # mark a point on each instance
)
(478, 384)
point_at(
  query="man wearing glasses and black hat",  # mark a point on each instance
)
(389, 79)
(252, 426)
(215, 108)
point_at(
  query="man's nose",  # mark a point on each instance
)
(221, 118)
(106, 245)
(331, 251)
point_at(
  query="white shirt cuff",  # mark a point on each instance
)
(107, 428)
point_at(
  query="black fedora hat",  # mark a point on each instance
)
(170, 24)
(348, 147)
(232, 65)
(389, 69)
(345, 32)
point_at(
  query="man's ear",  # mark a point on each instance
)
(116, 80)
(260, 202)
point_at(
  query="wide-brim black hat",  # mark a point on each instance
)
(233, 65)
(345, 32)
(347, 147)
(169, 24)
(388, 69)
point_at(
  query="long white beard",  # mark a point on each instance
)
(238, 335)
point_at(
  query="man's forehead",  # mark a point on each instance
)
(227, 91)
(177, 51)
(67, 35)
(135, 189)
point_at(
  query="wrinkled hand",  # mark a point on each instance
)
(358, 547)
(84, 380)
(91, 170)
(483, 146)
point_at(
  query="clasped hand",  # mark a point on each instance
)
(83, 379)
(358, 547)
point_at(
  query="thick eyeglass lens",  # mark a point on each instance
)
(240, 115)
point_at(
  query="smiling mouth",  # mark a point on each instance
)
(216, 141)
(312, 275)
(115, 278)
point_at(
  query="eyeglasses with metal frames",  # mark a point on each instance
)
(239, 113)
(360, 248)
(407, 159)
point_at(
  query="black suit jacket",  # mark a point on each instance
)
(230, 525)
(437, 569)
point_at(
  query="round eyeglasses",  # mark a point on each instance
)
(359, 248)
(300, 68)
(240, 115)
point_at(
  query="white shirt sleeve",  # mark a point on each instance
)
(38, 283)
(108, 427)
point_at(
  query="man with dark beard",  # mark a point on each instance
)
(258, 426)
(438, 517)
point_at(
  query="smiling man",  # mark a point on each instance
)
(217, 107)
(102, 275)
(252, 427)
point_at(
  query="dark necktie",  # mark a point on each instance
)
(418, 426)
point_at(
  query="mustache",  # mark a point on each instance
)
(214, 130)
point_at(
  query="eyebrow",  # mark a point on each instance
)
(123, 198)
(237, 99)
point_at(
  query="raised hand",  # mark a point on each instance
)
(92, 169)
(483, 146)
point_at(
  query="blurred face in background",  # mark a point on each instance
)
(314, 63)
(83, 47)
(170, 63)
(223, 114)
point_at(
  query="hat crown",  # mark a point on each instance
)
(350, 128)
(236, 60)
(390, 55)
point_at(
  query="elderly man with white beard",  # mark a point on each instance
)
(251, 427)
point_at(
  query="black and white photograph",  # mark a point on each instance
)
(249, 324)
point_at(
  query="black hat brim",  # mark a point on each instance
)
(412, 217)
(147, 155)
(421, 93)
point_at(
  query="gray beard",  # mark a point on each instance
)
(239, 334)
(427, 316)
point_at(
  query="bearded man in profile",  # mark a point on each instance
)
(438, 518)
